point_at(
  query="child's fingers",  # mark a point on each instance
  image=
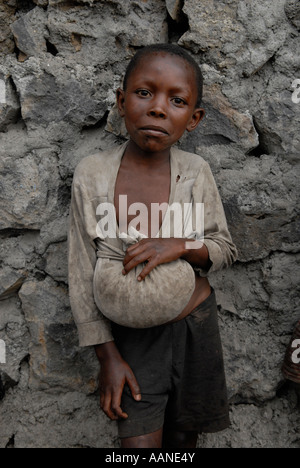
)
(116, 406)
(147, 269)
(134, 387)
(141, 255)
(133, 251)
(110, 404)
(133, 247)
(142, 258)
(105, 401)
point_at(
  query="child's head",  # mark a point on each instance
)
(161, 94)
(171, 49)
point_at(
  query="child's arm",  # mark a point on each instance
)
(93, 327)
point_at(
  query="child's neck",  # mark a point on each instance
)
(146, 158)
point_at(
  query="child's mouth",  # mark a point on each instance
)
(155, 131)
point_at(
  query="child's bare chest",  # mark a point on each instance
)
(141, 199)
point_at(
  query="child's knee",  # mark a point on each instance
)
(180, 439)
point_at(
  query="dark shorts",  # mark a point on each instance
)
(180, 370)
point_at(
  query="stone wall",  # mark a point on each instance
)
(61, 62)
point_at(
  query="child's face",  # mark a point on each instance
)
(159, 102)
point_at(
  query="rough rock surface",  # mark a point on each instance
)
(60, 65)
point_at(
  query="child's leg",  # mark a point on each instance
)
(167, 439)
(153, 440)
(177, 439)
(143, 349)
(179, 368)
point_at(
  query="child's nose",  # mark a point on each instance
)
(160, 114)
(158, 108)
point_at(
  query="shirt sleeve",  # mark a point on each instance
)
(93, 327)
(221, 249)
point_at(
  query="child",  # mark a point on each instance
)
(164, 384)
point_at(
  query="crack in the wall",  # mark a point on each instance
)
(12, 114)
(69, 4)
(13, 289)
(178, 25)
(18, 116)
(8, 233)
(24, 6)
(51, 48)
(262, 147)
(11, 442)
(8, 381)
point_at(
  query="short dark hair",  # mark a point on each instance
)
(171, 49)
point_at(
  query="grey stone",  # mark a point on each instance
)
(25, 180)
(73, 30)
(266, 426)
(223, 124)
(253, 353)
(91, 141)
(292, 10)
(55, 359)
(15, 142)
(17, 255)
(10, 282)
(14, 333)
(7, 11)
(281, 281)
(257, 194)
(242, 39)
(174, 8)
(56, 262)
(45, 420)
(30, 31)
(58, 91)
(53, 232)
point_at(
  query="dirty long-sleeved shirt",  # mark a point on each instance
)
(93, 184)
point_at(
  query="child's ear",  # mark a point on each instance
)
(197, 116)
(120, 101)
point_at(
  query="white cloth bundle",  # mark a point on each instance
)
(159, 298)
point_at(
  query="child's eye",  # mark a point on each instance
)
(143, 92)
(178, 101)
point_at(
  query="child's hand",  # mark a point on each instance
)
(154, 252)
(114, 374)
(113, 377)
